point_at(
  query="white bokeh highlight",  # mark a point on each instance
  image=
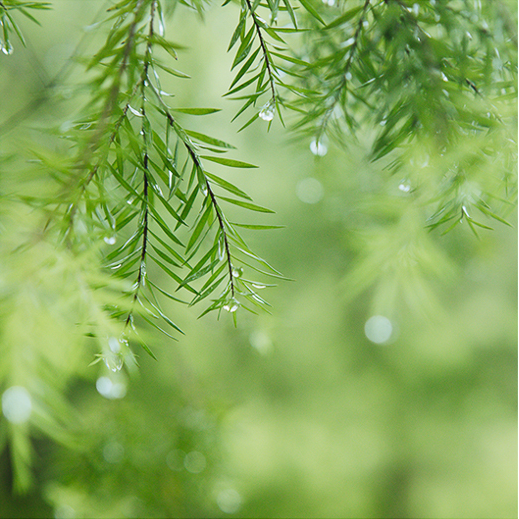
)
(378, 329)
(16, 404)
(309, 190)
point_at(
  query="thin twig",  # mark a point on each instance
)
(142, 83)
(342, 84)
(196, 159)
(264, 50)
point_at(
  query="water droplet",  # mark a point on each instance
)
(416, 9)
(16, 404)
(110, 240)
(383, 122)
(135, 112)
(161, 24)
(237, 272)
(257, 298)
(318, 148)
(195, 462)
(378, 329)
(109, 389)
(114, 361)
(229, 500)
(405, 187)
(232, 305)
(444, 77)
(329, 3)
(124, 340)
(114, 344)
(7, 48)
(221, 248)
(203, 189)
(309, 190)
(258, 286)
(348, 76)
(348, 42)
(158, 190)
(267, 112)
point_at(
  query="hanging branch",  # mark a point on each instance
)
(145, 138)
(265, 52)
(345, 75)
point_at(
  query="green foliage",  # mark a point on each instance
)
(127, 191)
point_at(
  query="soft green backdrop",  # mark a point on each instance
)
(294, 414)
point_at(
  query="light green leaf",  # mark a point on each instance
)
(229, 162)
(196, 111)
(247, 205)
(210, 140)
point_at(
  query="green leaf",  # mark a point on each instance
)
(157, 327)
(228, 162)
(242, 86)
(244, 48)
(196, 111)
(198, 266)
(210, 140)
(311, 9)
(164, 316)
(247, 205)
(238, 30)
(199, 273)
(167, 294)
(344, 18)
(171, 274)
(228, 186)
(247, 65)
(257, 227)
(172, 71)
(167, 45)
(291, 59)
(291, 12)
(250, 121)
(489, 213)
(199, 227)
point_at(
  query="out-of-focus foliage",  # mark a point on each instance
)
(382, 383)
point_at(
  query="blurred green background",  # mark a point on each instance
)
(297, 413)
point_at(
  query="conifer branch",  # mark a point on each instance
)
(145, 223)
(107, 111)
(198, 164)
(344, 77)
(264, 51)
